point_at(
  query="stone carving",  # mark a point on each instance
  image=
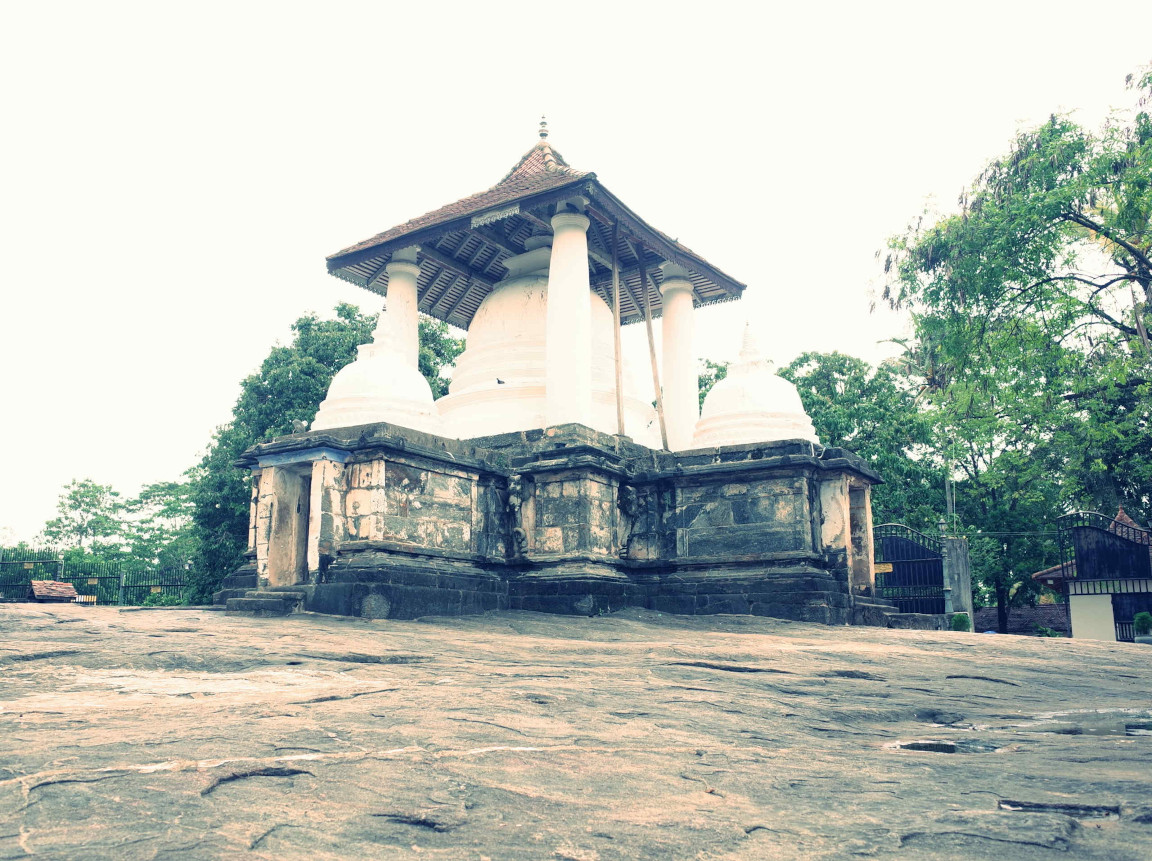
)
(628, 502)
(514, 508)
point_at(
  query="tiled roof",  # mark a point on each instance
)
(464, 244)
(540, 169)
(1122, 517)
(53, 590)
(1057, 572)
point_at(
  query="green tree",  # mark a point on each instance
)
(1033, 304)
(712, 373)
(158, 527)
(88, 518)
(873, 412)
(1031, 311)
(289, 386)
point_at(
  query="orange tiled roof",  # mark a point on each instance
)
(53, 590)
(464, 244)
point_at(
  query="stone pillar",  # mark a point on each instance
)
(835, 520)
(252, 509)
(265, 503)
(681, 383)
(325, 514)
(568, 333)
(958, 575)
(863, 574)
(403, 304)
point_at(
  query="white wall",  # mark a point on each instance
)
(1092, 617)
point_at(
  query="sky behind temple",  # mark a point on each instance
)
(173, 176)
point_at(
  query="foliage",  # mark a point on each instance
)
(961, 622)
(288, 387)
(158, 528)
(1031, 309)
(1035, 299)
(1043, 631)
(712, 373)
(873, 413)
(160, 599)
(1142, 624)
(87, 517)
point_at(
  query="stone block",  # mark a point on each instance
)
(678, 604)
(735, 604)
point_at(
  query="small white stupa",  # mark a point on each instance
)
(380, 386)
(752, 404)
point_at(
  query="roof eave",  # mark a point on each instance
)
(657, 242)
(462, 222)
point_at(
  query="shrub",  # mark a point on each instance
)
(1142, 624)
(1041, 631)
(961, 622)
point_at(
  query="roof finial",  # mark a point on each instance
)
(543, 127)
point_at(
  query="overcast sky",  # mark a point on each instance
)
(173, 175)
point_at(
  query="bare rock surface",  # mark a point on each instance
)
(190, 734)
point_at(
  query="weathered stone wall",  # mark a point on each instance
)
(575, 513)
(570, 520)
(722, 519)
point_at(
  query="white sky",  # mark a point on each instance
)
(172, 176)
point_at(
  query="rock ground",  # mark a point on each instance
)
(191, 734)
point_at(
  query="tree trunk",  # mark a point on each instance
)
(1002, 611)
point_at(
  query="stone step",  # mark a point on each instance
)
(301, 591)
(872, 613)
(281, 593)
(917, 621)
(239, 581)
(221, 597)
(259, 606)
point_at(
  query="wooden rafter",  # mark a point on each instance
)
(452, 282)
(376, 273)
(455, 265)
(459, 299)
(489, 235)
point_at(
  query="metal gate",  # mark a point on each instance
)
(909, 569)
(102, 581)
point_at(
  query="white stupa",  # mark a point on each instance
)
(752, 404)
(379, 386)
(500, 381)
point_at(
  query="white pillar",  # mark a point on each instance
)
(681, 384)
(568, 334)
(403, 307)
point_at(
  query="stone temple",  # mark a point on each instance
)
(547, 479)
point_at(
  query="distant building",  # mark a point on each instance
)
(51, 592)
(1105, 573)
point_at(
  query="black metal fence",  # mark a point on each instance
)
(909, 569)
(103, 581)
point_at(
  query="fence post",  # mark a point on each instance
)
(120, 597)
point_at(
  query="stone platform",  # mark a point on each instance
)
(386, 522)
(185, 734)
